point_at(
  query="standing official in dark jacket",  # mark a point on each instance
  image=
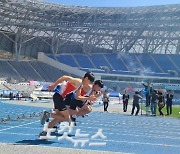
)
(169, 97)
(125, 98)
(136, 98)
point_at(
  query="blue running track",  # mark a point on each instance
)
(125, 133)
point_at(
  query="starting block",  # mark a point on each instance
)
(3, 120)
(18, 117)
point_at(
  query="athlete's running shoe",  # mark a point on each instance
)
(43, 133)
(44, 117)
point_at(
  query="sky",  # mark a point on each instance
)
(114, 3)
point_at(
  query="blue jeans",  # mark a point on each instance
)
(153, 108)
(148, 97)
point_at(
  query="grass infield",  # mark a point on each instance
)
(175, 111)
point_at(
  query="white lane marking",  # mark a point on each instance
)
(17, 134)
(144, 143)
(153, 144)
(19, 125)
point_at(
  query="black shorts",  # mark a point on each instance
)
(68, 98)
(59, 102)
(76, 103)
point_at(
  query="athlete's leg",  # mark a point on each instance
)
(84, 110)
(60, 114)
(72, 111)
(59, 117)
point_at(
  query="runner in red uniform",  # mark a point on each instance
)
(81, 102)
(61, 112)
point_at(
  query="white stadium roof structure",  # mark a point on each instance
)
(154, 29)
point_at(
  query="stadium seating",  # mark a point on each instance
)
(131, 62)
(175, 59)
(116, 62)
(6, 70)
(83, 61)
(127, 64)
(36, 66)
(164, 62)
(68, 60)
(25, 70)
(47, 72)
(29, 70)
(148, 63)
(99, 60)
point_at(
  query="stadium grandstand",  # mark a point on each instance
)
(42, 41)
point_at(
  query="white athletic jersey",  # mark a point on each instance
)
(60, 87)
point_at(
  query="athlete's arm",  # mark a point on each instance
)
(139, 96)
(83, 98)
(74, 81)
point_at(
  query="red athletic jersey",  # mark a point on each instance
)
(68, 88)
(83, 92)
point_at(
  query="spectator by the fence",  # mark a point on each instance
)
(154, 99)
(125, 98)
(161, 103)
(169, 97)
(106, 100)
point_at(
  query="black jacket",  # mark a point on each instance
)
(125, 97)
(136, 98)
(169, 98)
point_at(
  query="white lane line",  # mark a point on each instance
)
(148, 135)
(18, 134)
(19, 126)
(139, 133)
(127, 142)
(34, 128)
(132, 125)
(140, 129)
(152, 144)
